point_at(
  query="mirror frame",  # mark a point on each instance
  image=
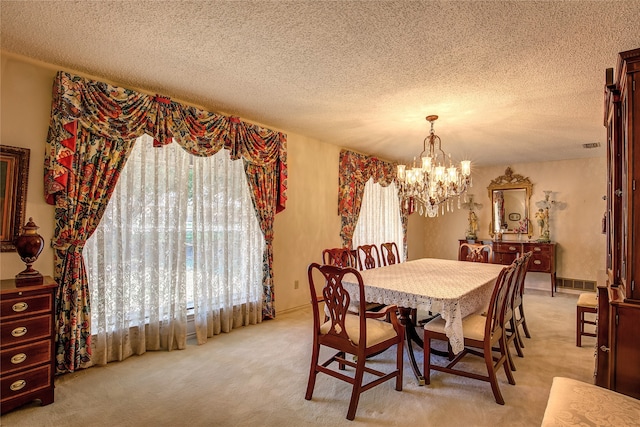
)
(511, 181)
(14, 177)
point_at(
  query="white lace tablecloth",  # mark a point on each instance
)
(452, 288)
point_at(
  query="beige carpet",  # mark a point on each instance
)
(256, 376)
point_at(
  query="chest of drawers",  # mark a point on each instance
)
(543, 259)
(26, 343)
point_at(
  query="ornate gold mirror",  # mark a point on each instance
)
(510, 196)
(14, 174)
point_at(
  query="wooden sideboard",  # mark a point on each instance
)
(543, 259)
(618, 322)
(27, 349)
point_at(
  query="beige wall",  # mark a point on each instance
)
(25, 101)
(576, 228)
(311, 223)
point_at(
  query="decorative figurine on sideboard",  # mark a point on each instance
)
(542, 216)
(472, 230)
(29, 246)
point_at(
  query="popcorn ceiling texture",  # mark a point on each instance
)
(512, 81)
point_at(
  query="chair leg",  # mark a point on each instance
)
(519, 336)
(504, 352)
(512, 366)
(357, 388)
(400, 365)
(491, 373)
(341, 365)
(313, 372)
(427, 359)
(524, 322)
(516, 337)
(579, 326)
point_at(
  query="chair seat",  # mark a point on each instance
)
(473, 326)
(588, 299)
(377, 330)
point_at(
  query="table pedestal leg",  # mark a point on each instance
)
(411, 335)
(407, 317)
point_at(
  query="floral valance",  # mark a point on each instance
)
(110, 111)
(355, 170)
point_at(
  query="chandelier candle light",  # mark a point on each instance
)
(433, 183)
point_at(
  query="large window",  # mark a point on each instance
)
(180, 233)
(379, 220)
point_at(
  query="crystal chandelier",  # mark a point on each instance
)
(436, 181)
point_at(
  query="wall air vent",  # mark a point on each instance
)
(591, 145)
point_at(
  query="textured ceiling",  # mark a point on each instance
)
(512, 81)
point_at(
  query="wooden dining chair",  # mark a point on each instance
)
(587, 303)
(340, 257)
(475, 252)
(390, 253)
(482, 333)
(514, 297)
(516, 317)
(368, 257)
(361, 335)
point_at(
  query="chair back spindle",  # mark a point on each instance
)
(475, 252)
(368, 257)
(390, 253)
(340, 257)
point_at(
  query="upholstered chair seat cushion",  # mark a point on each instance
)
(377, 330)
(588, 299)
(472, 325)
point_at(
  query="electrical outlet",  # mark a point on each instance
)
(296, 284)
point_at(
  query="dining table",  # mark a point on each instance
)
(453, 289)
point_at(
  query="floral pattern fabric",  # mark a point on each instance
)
(92, 129)
(355, 170)
(576, 403)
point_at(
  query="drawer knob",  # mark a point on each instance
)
(18, 358)
(19, 331)
(20, 306)
(18, 385)
(537, 262)
(536, 249)
(512, 248)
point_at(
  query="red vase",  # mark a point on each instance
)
(29, 246)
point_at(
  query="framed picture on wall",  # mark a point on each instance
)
(14, 177)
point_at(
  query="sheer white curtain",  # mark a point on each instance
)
(228, 246)
(379, 220)
(179, 232)
(136, 258)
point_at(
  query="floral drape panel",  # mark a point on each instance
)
(98, 163)
(355, 170)
(93, 126)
